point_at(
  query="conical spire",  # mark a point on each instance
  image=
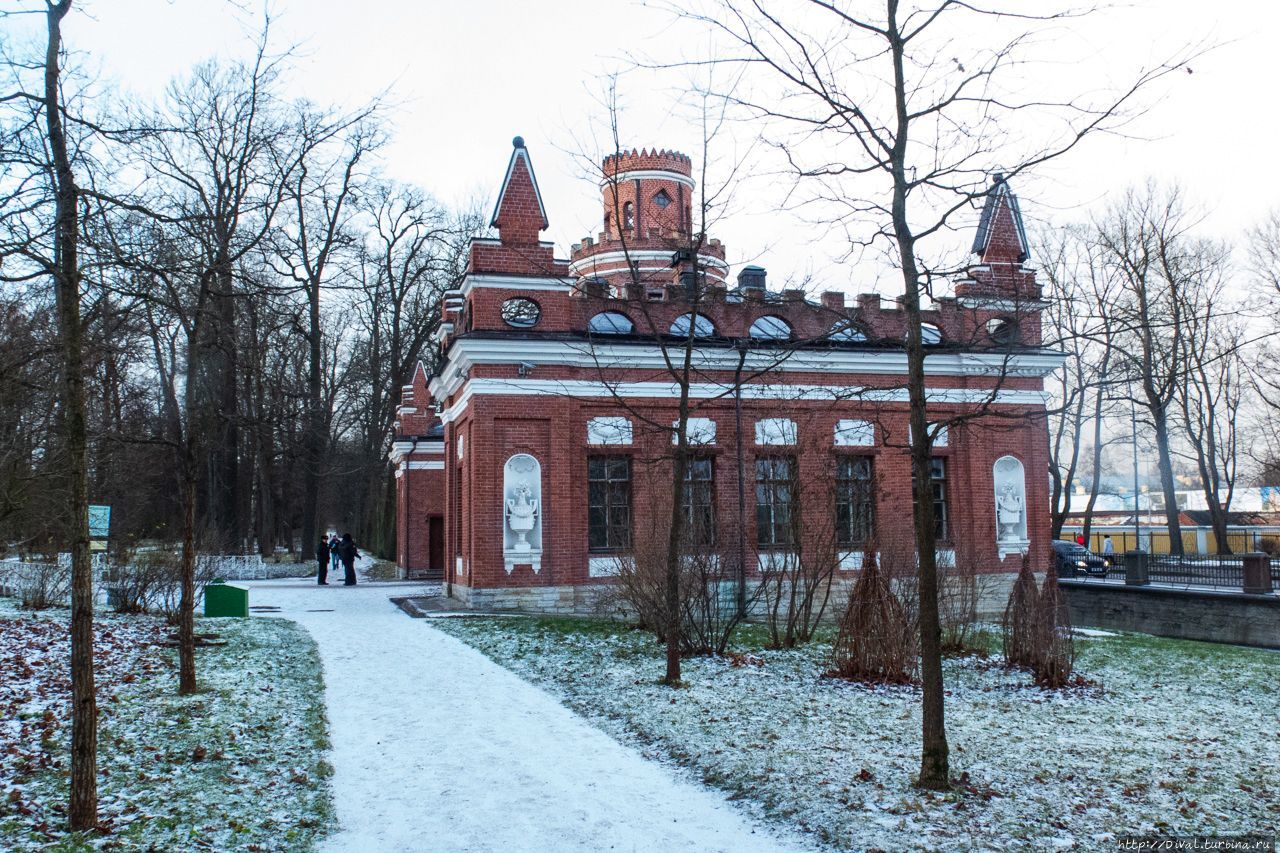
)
(519, 215)
(1001, 237)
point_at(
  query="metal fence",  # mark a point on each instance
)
(1219, 571)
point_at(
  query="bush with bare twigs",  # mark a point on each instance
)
(877, 637)
(1020, 616)
(1054, 646)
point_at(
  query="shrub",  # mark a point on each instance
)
(44, 584)
(1054, 656)
(877, 637)
(1020, 615)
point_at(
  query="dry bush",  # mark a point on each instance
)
(796, 588)
(1020, 617)
(958, 594)
(877, 638)
(42, 585)
(1054, 646)
(138, 580)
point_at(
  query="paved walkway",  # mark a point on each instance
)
(437, 748)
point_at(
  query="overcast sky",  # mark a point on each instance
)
(464, 77)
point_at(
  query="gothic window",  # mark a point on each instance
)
(608, 503)
(854, 500)
(775, 488)
(628, 216)
(771, 329)
(702, 328)
(521, 313)
(698, 501)
(662, 199)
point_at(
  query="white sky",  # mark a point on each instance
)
(464, 77)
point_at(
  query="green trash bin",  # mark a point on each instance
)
(226, 599)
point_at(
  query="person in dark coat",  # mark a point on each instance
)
(322, 558)
(333, 550)
(347, 553)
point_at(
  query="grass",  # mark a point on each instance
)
(1172, 737)
(238, 766)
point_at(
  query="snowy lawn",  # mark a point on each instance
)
(239, 766)
(1174, 737)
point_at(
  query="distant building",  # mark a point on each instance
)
(520, 461)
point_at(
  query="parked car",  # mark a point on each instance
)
(1074, 558)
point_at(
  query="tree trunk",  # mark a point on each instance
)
(934, 753)
(313, 453)
(82, 813)
(1165, 458)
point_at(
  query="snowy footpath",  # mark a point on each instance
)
(437, 748)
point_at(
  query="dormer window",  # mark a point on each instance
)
(628, 216)
(662, 199)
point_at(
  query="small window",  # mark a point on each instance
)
(702, 328)
(662, 199)
(845, 330)
(521, 313)
(771, 328)
(930, 334)
(628, 216)
(610, 323)
(1003, 331)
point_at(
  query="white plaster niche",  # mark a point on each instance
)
(1010, 482)
(522, 513)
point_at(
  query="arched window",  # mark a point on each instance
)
(845, 330)
(930, 334)
(610, 323)
(520, 312)
(1002, 330)
(701, 329)
(771, 328)
(628, 215)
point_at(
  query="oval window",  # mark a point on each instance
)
(771, 328)
(610, 323)
(703, 328)
(520, 312)
(1002, 330)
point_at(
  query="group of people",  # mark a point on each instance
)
(333, 551)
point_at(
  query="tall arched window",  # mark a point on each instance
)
(628, 216)
(701, 329)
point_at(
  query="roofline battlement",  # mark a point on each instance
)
(646, 160)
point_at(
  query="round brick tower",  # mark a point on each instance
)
(648, 218)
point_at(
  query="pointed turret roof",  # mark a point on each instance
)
(1001, 237)
(519, 214)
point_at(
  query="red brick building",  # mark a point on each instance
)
(522, 461)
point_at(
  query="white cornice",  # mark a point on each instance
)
(605, 356)
(647, 175)
(634, 255)
(988, 303)
(425, 447)
(709, 390)
(514, 282)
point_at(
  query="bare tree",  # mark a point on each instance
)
(895, 132)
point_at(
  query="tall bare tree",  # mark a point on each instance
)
(893, 116)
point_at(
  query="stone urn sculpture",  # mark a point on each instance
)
(522, 515)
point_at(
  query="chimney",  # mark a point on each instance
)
(752, 278)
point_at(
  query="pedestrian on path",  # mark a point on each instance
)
(1107, 547)
(348, 553)
(322, 558)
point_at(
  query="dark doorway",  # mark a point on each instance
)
(435, 546)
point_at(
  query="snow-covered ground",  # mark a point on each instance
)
(1174, 738)
(435, 747)
(238, 766)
